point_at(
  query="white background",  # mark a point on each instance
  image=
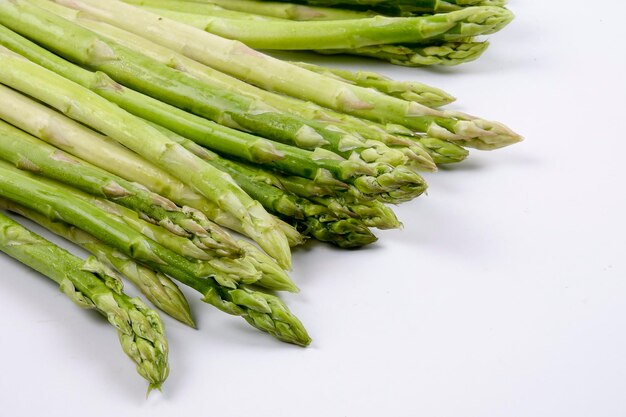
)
(504, 294)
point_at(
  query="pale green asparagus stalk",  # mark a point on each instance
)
(26, 152)
(258, 8)
(156, 287)
(348, 34)
(322, 166)
(446, 53)
(415, 6)
(74, 138)
(89, 108)
(270, 73)
(372, 135)
(228, 272)
(141, 73)
(406, 90)
(139, 328)
(261, 310)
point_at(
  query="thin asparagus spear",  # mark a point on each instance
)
(261, 310)
(200, 8)
(139, 329)
(156, 287)
(93, 110)
(263, 8)
(236, 59)
(447, 53)
(348, 34)
(76, 139)
(406, 90)
(29, 153)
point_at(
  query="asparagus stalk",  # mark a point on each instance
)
(447, 53)
(26, 152)
(93, 110)
(236, 59)
(141, 73)
(312, 219)
(156, 287)
(74, 138)
(416, 6)
(139, 329)
(327, 118)
(263, 311)
(266, 9)
(349, 34)
(343, 205)
(405, 90)
(322, 166)
(200, 8)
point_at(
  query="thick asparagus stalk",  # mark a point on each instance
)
(93, 110)
(236, 59)
(156, 287)
(406, 90)
(447, 53)
(263, 311)
(349, 34)
(26, 152)
(140, 329)
(247, 7)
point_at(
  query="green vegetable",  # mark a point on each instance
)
(156, 287)
(263, 311)
(90, 285)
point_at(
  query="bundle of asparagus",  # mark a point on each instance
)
(142, 139)
(403, 32)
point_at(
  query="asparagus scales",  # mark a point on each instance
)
(139, 329)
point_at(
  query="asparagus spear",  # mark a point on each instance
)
(323, 167)
(263, 311)
(327, 118)
(140, 329)
(312, 219)
(79, 141)
(343, 205)
(349, 34)
(236, 59)
(265, 9)
(199, 8)
(156, 287)
(91, 109)
(141, 73)
(406, 90)
(27, 152)
(447, 53)
(417, 6)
